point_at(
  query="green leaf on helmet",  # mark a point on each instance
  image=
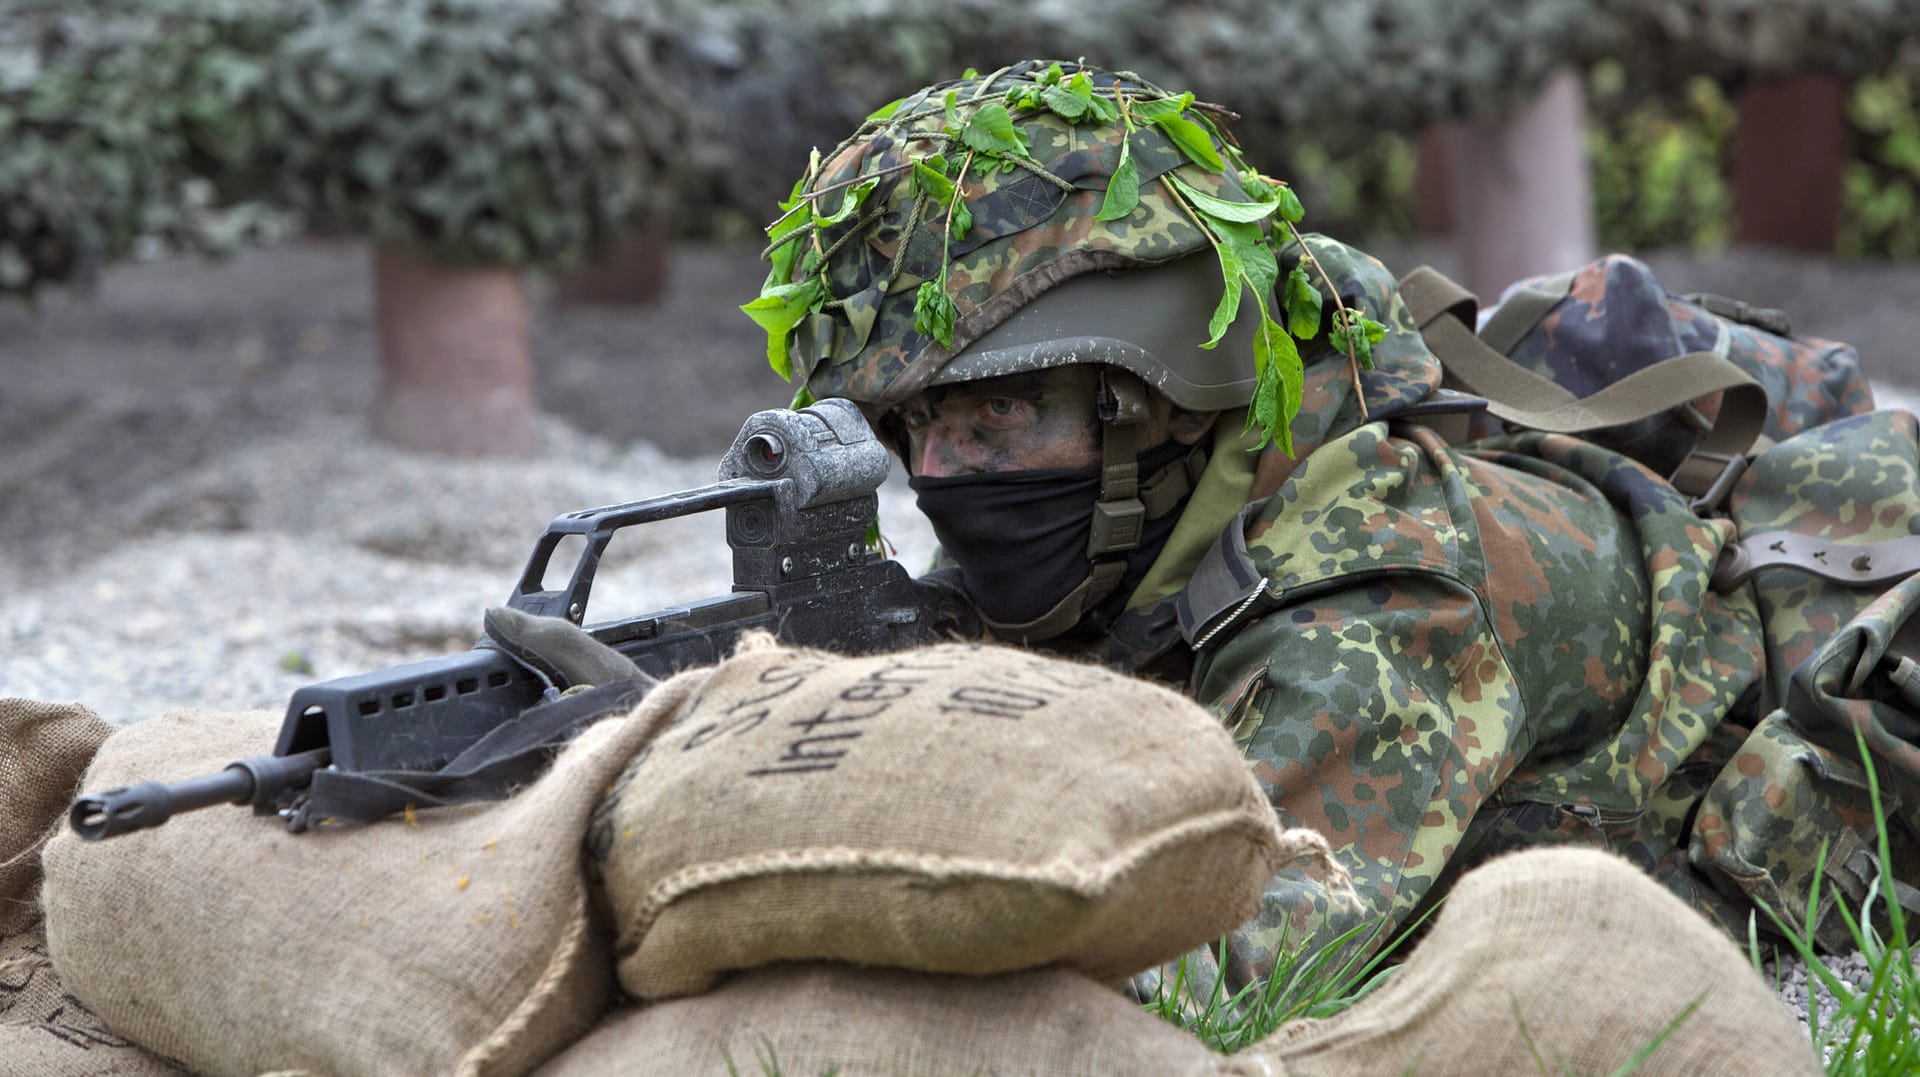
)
(1159, 108)
(885, 111)
(934, 312)
(1220, 208)
(1256, 187)
(932, 181)
(970, 73)
(992, 131)
(1082, 86)
(1355, 335)
(1065, 104)
(784, 246)
(1123, 188)
(849, 202)
(1193, 141)
(780, 261)
(1074, 100)
(962, 221)
(802, 397)
(1278, 387)
(1302, 303)
(1052, 75)
(777, 311)
(1231, 273)
(1290, 208)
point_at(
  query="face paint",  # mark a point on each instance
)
(1035, 421)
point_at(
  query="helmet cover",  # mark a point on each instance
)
(955, 207)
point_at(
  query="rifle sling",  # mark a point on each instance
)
(509, 757)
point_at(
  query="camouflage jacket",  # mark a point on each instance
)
(1435, 652)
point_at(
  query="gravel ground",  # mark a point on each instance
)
(195, 517)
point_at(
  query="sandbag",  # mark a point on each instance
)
(960, 808)
(1595, 958)
(44, 748)
(46, 1032)
(454, 940)
(816, 1018)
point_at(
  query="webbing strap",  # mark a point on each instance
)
(1444, 312)
(1067, 612)
(1858, 564)
(1119, 517)
(1522, 308)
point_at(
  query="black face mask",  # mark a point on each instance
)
(1020, 537)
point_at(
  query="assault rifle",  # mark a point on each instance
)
(800, 493)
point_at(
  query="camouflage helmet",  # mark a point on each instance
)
(905, 254)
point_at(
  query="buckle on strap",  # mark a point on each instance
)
(1853, 564)
(1708, 477)
(1117, 526)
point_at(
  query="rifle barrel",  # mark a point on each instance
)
(138, 807)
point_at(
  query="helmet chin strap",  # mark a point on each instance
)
(1120, 515)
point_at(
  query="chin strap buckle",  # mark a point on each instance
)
(1117, 527)
(1119, 517)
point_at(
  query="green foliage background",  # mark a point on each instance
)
(517, 132)
(1661, 170)
(528, 132)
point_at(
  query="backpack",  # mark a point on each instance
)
(1776, 433)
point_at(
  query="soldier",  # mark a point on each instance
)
(1430, 653)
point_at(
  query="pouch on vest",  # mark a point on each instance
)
(1829, 544)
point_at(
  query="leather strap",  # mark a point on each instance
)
(1859, 564)
(1444, 312)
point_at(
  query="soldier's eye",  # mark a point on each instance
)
(1001, 406)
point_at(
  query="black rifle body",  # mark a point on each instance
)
(799, 490)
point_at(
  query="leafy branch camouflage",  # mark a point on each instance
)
(949, 209)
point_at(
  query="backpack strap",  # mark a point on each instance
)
(1445, 311)
(1522, 308)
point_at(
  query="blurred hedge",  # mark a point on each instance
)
(527, 132)
(518, 132)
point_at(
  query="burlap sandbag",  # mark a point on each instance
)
(44, 748)
(1591, 955)
(45, 1032)
(810, 1019)
(961, 808)
(455, 941)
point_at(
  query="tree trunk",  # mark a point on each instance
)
(1432, 212)
(632, 272)
(1789, 153)
(456, 361)
(1521, 201)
